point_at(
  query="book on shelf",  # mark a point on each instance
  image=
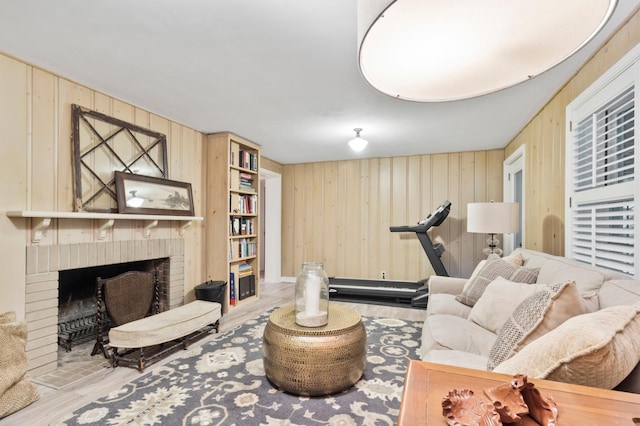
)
(235, 226)
(232, 288)
(247, 248)
(247, 204)
(241, 226)
(248, 160)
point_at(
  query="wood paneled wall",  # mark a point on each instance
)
(544, 141)
(36, 168)
(267, 163)
(339, 213)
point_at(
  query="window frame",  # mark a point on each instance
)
(622, 75)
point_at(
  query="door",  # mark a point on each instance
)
(514, 175)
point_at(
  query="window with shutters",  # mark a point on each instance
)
(601, 185)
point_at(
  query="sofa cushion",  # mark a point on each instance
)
(494, 267)
(586, 278)
(598, 349)
(535, 316)
(498, 301)
(452, 332)
(443, 303)
(619, 292)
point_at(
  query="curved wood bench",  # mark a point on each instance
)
(141, 333)
(154, 336)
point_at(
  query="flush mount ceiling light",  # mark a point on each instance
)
(358, 144)
(434, 50)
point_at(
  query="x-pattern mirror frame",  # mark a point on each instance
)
(103, 145)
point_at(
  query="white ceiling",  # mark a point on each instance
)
(282, 73)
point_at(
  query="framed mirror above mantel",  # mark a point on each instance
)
(40, 220)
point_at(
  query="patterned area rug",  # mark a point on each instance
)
(223, 383)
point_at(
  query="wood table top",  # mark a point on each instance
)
(426, 384)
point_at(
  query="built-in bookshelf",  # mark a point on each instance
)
(233, 199)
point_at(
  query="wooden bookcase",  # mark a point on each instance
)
(232, 216)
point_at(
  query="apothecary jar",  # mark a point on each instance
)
(312, 295)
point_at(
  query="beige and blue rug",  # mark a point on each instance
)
(223, 383)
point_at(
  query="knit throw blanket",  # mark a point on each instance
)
(16, 391)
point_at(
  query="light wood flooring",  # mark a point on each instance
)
(54, 403)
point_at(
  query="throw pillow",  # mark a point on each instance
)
(536, 315)
(474, 274)
(514, 258)
(494, 267)
(499, 300)
(598, 349)
(591, 301)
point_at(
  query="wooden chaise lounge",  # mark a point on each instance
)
(141, 334)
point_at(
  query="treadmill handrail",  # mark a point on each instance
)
(434, 219)
(405, 228)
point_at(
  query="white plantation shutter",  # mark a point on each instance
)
(603, 234)
(601, 185)
(604, 144)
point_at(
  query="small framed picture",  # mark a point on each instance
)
(140, 194)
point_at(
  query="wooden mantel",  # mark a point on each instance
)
(42, 220)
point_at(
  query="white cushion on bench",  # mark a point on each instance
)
(165, 326)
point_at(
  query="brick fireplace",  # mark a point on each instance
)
(42, 274)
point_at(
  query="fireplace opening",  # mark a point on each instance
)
(77, 312)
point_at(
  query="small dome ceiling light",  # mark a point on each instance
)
(358, 144)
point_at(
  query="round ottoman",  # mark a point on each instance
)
(314, 361)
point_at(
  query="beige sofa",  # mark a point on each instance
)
(570, 322)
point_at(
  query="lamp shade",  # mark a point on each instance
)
(493, 218)
(430, 50)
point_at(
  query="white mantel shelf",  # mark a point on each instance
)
(107, 220)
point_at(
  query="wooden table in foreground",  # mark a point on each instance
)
(427, 383)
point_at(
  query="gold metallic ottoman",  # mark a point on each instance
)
(314, 361)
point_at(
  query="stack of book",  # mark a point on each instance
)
(246, 182)
(244, 269)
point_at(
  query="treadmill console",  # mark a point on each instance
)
(437, 216)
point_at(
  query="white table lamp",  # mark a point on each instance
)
(493, 218)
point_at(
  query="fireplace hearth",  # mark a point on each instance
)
(48, 303)
(77, 310)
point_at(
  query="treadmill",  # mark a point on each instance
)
(388, 292)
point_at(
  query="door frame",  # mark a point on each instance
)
(513, 164)
(272, 225)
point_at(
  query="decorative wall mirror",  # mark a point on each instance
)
(103, 145)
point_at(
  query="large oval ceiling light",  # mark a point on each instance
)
(438, 50)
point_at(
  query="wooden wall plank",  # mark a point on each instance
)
(400, 242)
(353, 219)
(385, 204)
(414, 214)
(330, 222)
(467, 249)
(288, 225)
(15, 175)
(440, 192)
(372, 251)
(428, 204)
